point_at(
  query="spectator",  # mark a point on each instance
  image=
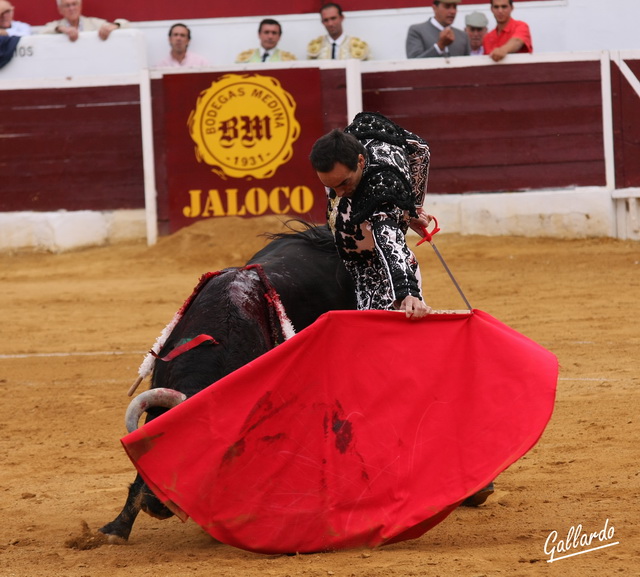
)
(509, 36)
(9, 26)
(476, 27)
(179, 39)
(437, 37)
(336, 45)
(72, 22)
(269, 33)
(7, 49)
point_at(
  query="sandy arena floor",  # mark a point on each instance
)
(75, 326)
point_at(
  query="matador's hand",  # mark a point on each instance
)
(422, 222)
(414, 308)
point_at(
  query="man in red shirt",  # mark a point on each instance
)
(509, 35)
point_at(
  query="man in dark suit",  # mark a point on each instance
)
(436, 37)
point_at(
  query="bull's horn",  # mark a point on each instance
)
(152, 398)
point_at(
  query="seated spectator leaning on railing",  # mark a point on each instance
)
(509, 36)
(437, 37)
(8, 42)
(9, 26)
(72, 22)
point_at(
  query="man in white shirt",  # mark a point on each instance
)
(9, 26)
(179, 39)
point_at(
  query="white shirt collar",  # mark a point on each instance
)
(436, 24)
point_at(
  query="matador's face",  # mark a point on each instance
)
(342, 179)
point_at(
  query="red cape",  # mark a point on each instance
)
(363, 429)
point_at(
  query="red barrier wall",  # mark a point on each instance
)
(500, 128)
(626, 111)
(523, 126)
(71, 148)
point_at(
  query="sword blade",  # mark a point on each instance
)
(455, 283)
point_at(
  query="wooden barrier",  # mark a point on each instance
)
(501, 128)
(100, 143)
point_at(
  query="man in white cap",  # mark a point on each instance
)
(437, 37)
(476, 27)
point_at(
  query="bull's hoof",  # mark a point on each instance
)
(480, 497)
(87, 539)
(115, 534)
(116, 540)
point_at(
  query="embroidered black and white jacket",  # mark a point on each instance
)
(369, 228)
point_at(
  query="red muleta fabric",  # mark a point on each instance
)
(363, 429)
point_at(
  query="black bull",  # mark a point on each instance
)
(304, 269)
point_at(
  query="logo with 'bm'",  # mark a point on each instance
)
(244, 126)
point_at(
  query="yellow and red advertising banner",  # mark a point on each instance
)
(237, 144)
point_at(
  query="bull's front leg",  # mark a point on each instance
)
(121, 526)
(140, 498)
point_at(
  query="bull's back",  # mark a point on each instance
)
(232, 309)
(308, 274)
